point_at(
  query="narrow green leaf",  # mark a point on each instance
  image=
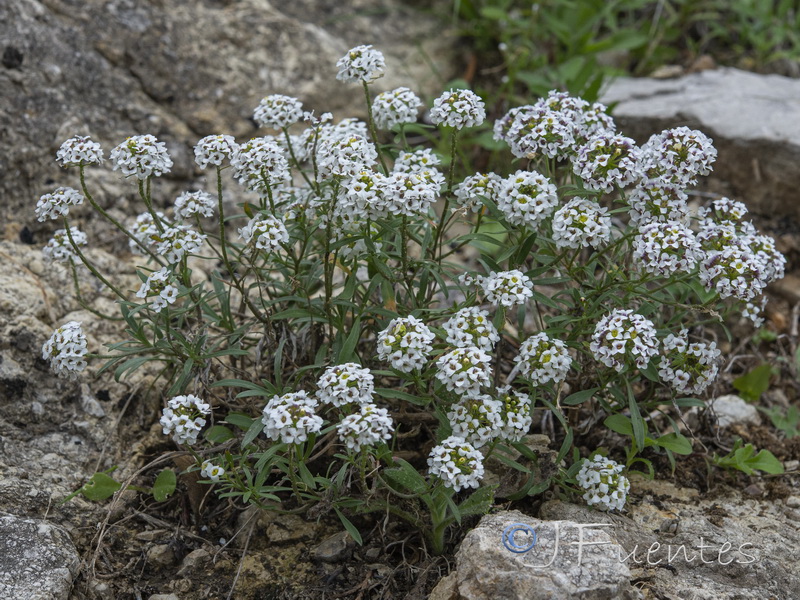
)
(579, 397)
(255, 428)
(675, 442)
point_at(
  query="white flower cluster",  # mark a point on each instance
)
(176, 242)
(59, 247)
(269, 233)
(621, 337)
(678, 156)
(754, 310)
(159, 284)
(471, 327)
(733, 272)
(471, 192)
(194, 203)
(457, 463)
(464, 370)
(142, 156)
(291, 418)
(395, 107)
(507, 288)
(322, 133)
(458, 109)
(145, 230)
(65, 350)
(604, 483)
(478, 419)
(580, 223)
(278, 111)
(344, 384)
(345, 157)
(657, 201)
(418, 160)
(543, 359)
(211, 471)
(722, 210)
(79, 151)
(370, 426)
(664, 248)
(689, 368)
(363, 195)
(409, 194)
(516, 411)
(405, 343)
(214, 150)
(183, 418)
(362, 63)
(260, 164)
(57, 203)
(608, 161)
(526, 198)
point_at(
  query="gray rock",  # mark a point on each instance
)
(161, 555)
(37, 560)
(164, 597)
(333, 548)
(753, 119)
(196, 560)
(731, 410)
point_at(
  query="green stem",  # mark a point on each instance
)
(373, 131)
(88, 265)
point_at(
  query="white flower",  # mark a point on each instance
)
(476, 419)
(269, 233)
(361, 196)
(690, 368)
(464, 370)
(145, 230)
(604, 483)
(734, 271)
(59, 247)
(607, 161)
(457, 463)
(345, 156)
(678, 156)
(771, 261)
(754, 310)
(516, 413)
(526, 198)
(362, 63)
(622, 337)
(656, 200)
(664, 248)
(79, 150)
(409, 194)
(345, 384)
(158, 284)
(405, 343)
(260, 164)
(471, 192)
(176, 242)
(66, 349)
(723, 210)
(278, 111)
(194, 203)
(214, 150)
(507, 288)
(418, 160)
(368, 427)
(580, 223)
(183, 417)
(143, 156)
(458, 109)
(57, 203)
(290, 418)
(396, 107)
(211, 471)
(543, 359)
(471, 327)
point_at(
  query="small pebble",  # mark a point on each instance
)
(334, 548)
(793, 502)
(161, 554)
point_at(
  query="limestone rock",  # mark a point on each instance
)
(754, 121)
(731, 410)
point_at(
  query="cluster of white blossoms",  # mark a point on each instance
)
(622, 337)
(214, 150)
(56, 204)
(543, 359)
(664, 248)
(458, 109)
(507, 288)
(79, 151)
(260, 164)
(66, 349)
(184, 418)
(291, 418)
(345, 157)
(457, 463)
(580, 223)
(369, 426)
(405, 343)
(678, 156)
(658, 201)
(464, 370)
(604, 483)
(142, 156)
(471, 192)
(395, 107)
(345, 384)
(363, 195)
(145, 231)
(526, 198)
(477, 419)
(409, 194)
(159, 284)
(211, 471)
(516, 411)
(278, 111)
(175, 243)
(723, 210)
(608, 161)
(689, 368)
(269, 232)
(189, 204)
(471, 327)
(60, 249)
(416, 160)
(361, 64)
